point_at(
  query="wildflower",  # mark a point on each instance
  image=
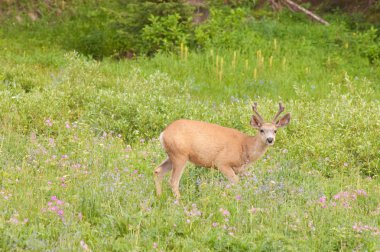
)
(194, 211)
(188, 221)
(155, 245)
(198, 182)
(225, 212)
(358, 227)
(346, 205)
(361, 192)
(48, 122)
(76, 166)
(33, 136)
(311, 225)
(80, 216)
(84, 246)
(215, 224)
(54, 198)
(322, 199)
(13, 220)
(51, 142)
(254, 210)
(67, 125)
(238, 197)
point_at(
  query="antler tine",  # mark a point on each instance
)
(254, 107)
(280, 110)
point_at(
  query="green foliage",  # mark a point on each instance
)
(83, 92)
(164, 34)
(368, 43)
(163, 23)
(116, 28)
(79, 140)
(232, 3)
(223, 29)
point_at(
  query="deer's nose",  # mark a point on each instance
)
(270, 139)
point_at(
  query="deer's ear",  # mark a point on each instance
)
(255, 122)
(285, 120)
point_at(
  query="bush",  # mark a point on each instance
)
(149, 26)
(224, 29)
(164, 34)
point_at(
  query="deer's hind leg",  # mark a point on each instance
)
(179, 164)
(159, 173)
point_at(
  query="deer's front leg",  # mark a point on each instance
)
(229, 173)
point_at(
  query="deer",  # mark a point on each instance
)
(213, 146)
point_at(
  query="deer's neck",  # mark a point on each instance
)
(255, 148)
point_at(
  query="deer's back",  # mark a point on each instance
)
(203, 143)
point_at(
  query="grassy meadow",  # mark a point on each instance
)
(79, 142)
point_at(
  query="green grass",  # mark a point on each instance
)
(86, 132)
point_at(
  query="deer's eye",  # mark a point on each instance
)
(262, 131)
(275, 131)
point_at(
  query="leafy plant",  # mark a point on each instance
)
(165, 34)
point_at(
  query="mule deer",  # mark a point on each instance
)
(210, 145)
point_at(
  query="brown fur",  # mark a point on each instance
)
(210, 145)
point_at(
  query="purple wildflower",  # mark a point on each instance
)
(48, 122)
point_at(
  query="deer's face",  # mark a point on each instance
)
(267, 131)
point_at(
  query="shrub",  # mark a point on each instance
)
(164, 34)
(162, 23)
